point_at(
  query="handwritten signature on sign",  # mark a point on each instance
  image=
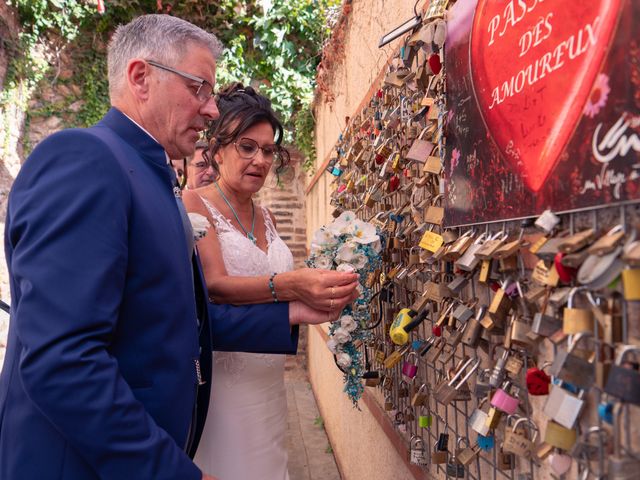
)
(616, 142)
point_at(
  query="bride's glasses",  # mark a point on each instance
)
(248, 149)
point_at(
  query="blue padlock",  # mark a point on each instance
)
(416, 345)
(605, 412)
(486, 443)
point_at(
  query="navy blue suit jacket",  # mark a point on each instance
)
(100, 378)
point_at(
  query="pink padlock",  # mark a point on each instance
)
(560, 463)
(503, 401)
(409, 368)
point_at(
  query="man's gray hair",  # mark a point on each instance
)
(162, 38)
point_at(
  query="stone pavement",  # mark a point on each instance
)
(310, 455)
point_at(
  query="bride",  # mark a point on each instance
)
(245, 261)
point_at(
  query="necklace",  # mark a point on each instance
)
(250, 235)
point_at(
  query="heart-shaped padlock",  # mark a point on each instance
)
(537, 381)
(560, 463)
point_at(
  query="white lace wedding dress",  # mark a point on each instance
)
(244, 436)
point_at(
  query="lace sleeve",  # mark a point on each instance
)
(270, 227)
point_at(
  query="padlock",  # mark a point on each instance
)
(447, 391)
(493, 418)
(517, 442)
(544, 324)
(473, 329)
(399, 422)
(485, 270)
(414, 256)
(468, 261)
(372, 378)
(403, 389)
(574, 369)
(631, 284)
(563, 407)
(577, 241)
(621, 467)
(560, 463)
(498, 372)
(504, 401)
(379, 351)
(459, 246)
(387, 383)
(409, 416)
(432, 354)
(603, 364)
(438, 457)
(520, 333)
(425, 419)
(443, 441)
(538, 381)
(558, 436)
(478, 420)
(435, 212)
(455, 469)
(464, 312)
(576, 320)
(410, 366)
(466, 455)
(585, 448)
(417, 451)
(394, 357)
(420, 397)
(388, 403)
(623, 382)
(505, 460)
(500, 306)
(486, 442)
(457, 284)
(482, 387)
(489, 247)
(514, 365)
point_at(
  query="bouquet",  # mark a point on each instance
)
(351, 245)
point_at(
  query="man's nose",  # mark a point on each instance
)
(210, 110)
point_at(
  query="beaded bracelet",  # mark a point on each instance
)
(273, 288)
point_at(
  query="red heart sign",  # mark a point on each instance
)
(533, 66)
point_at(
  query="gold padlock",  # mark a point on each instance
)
(558, 436)
(576, 320)
(394, 358)
(485, 269)
(631, 284)
(500, 306)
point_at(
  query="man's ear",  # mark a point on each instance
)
(138, 78)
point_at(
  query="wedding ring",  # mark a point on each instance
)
(333, 291)
(331, 304)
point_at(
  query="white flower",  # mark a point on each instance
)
(333, 345)
(359, 261)
(199, 224)
(346, 267)
(343, 359)
(323, 237)
(377, 245)
(348, 323)
(340, 335)
(342, 224)
(346, 252)
(364, 232)
(322, 261)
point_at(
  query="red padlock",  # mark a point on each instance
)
(394, 183)
(435, 64)
(537, 381)
(566, 274)
(437, 330)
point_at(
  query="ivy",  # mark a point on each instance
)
(273, 45)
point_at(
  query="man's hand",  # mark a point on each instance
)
(302, 313)
(208, 477)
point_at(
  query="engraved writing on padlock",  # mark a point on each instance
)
(516, 441)
(417, 451)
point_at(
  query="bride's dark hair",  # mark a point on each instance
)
(240, 109)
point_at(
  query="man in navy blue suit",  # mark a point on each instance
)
(110, 337)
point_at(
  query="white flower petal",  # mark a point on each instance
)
(343, 359)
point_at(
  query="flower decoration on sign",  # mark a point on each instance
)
(200, 225)
(349, 244)
(599, 95)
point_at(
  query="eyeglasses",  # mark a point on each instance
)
(199, 165)
(248, 149)
(204, 90)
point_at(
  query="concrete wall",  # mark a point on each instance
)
(362, 440)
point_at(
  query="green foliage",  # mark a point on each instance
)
(272, 45)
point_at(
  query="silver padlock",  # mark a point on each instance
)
(478, 420)
(621, 467)
(563, 407)
(417, 454)
(572, 368)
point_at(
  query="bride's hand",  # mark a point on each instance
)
(324, 290)
(302, 313)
